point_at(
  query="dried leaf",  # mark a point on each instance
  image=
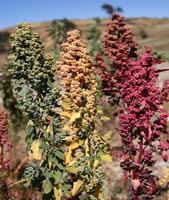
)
(75, 144)
(87, 147)
(77, 186)
(36, 151)
(96, 163)
(68, 156)
(56, 193)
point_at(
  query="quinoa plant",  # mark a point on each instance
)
(5, 144)
(5, 159)
(129, 81)
(38, 96)
(84, 151)
(142, 122)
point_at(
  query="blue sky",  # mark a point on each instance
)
(14, 11)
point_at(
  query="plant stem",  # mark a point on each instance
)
(20, 165)
(138, 160)
(140, 151)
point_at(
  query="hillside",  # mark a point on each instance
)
(155, 31)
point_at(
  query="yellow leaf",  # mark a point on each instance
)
(77, 186)
(56, 193)
(66, 127)
(106, 158)
(83, 92)
(100, 111)
(41, 110)
(104, 118)
(66, 106)
(75, 116)
(108, 136)
(36, 151)
(65, 114)
(50, 165)
(87, 147)
(75, 144)
(30, 122)
(68, 156)
(67, 138)
(96, 163)
(72, 162)
(102, 139)
(68, 100)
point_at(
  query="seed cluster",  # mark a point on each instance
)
(5, 145)
(78, 77)
(119, 48)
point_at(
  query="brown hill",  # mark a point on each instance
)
(150, 32)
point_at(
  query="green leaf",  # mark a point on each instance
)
(49, 83)
(47, 186)
(56, 162)
(57, 176)
(25, 90)
(59, 154)
(30, 129)
(65, 188)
